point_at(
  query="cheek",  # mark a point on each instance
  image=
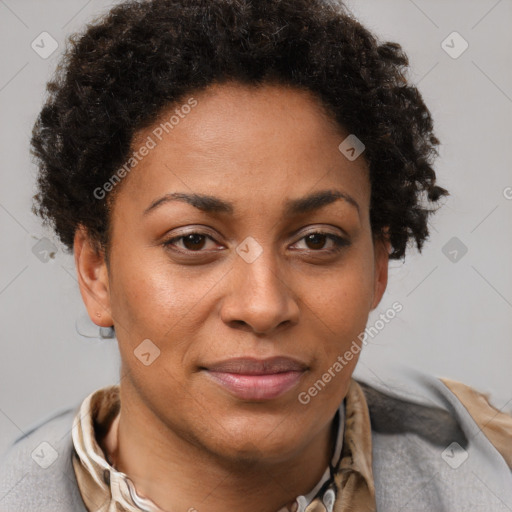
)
(341, 307)
(152, 300)
(148, 297)
(342, 315)
(345, 295)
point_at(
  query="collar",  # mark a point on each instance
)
(346, 484)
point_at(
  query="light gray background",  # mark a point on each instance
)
(456, 317)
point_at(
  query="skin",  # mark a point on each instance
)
(255, 148)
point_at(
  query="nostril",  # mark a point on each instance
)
(239, 323)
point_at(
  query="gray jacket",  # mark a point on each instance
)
(428, 454)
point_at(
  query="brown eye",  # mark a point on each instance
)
(191, 242)
(315, 240)
(194, 241)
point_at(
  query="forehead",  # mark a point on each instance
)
(252, 144)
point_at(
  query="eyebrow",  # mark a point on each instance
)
(212, 204)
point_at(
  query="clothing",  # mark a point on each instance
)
(408, 444)
(95, 474)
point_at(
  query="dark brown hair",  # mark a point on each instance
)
(143, 56)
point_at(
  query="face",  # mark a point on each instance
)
(243, 233)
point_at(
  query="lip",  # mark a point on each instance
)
(257, 379)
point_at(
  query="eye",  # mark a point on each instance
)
(192, 242)
(316, 240)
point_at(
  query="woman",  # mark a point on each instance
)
(233, 178)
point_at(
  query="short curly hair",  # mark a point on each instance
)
(142, 57)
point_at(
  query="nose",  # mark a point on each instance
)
(259, 299)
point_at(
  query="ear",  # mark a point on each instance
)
(382, 249)
(92, 278)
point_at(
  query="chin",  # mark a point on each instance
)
(265, 446)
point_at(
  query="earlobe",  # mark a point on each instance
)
(92, 278)
(382, 248)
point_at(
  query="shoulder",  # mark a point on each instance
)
(36, 471)
(431, 444)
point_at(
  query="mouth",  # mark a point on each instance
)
(257, 379)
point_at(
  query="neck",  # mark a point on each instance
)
(178, 474)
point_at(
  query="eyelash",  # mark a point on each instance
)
(338, 241)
